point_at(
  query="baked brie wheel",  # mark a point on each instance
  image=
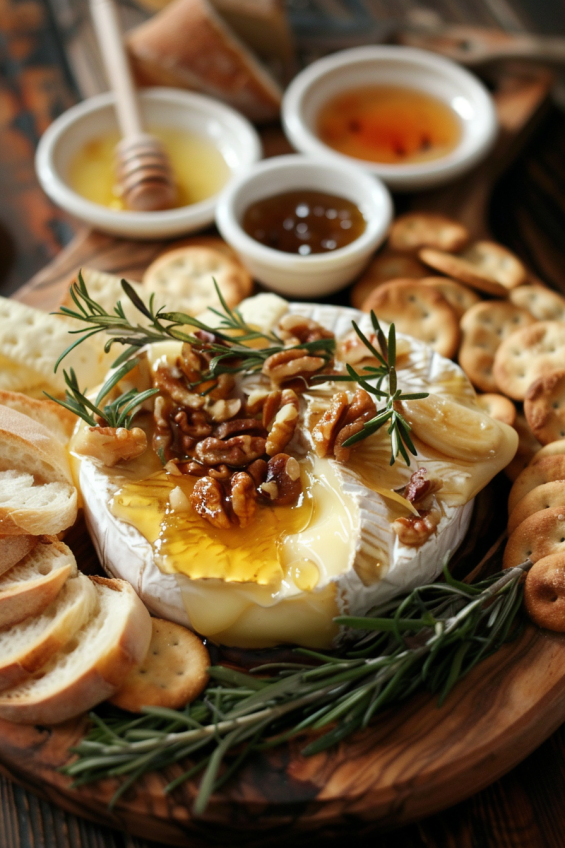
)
(257, 570)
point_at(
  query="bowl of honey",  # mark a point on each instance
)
(208, 145)
(409, 116)
(304, 227)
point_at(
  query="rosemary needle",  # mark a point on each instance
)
(429, 638)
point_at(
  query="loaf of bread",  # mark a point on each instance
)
(188, 45)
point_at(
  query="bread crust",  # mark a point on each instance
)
(64, 627)
(59, 421)
(187, 45)
(31, 440)
(97, 682)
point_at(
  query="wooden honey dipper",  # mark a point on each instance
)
(143, 169)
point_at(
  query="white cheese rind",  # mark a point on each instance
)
(125, 553)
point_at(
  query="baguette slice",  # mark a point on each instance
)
(54, 417)
(188, 45)
(13, 549)
(27, 508)
(27, 445)
(92, 665)
(31, 585)
(27, 646)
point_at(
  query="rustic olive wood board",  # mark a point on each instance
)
(413, 760)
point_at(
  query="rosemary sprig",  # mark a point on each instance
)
(119, 412)
(233, 348)
(429, 638)
(372, 380)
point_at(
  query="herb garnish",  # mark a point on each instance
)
(429, 638)
(119, 412)
(385, 373)
(232, 353)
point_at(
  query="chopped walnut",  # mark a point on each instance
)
(243, 497)
(419, 489)
(110, 445)
(173, 386)
(271, 406)
(197, 427)
(238, 426)
(284, 423)
(223, 410)
(283, 484)
(207, 499)
(288, 364)
(413, 530)
(190, 363)
(326, 429)
(162, 435)
(236, 452)
(296, 329)
(258, 471)
(361, 409)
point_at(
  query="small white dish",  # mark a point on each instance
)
(229, 131)
(289, 273)
(405, 67)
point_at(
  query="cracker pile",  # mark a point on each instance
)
(508, 334)
(506, 331)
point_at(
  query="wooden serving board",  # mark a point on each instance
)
(412, 761)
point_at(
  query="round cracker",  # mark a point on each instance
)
(484, 327)
(415, 230)
(546, 496)
(213, 242)
(547, 469)
(498, 406)
(515, 467)
(173, 673)
(553, 449)
(528, 354)
(540, 535)
(544, 407)
(184, 279)
(484, 265)
(459, 297)
(418, 311)
(544, 592)
(383, 268)
(541, 302)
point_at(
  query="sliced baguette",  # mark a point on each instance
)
(91, 667)
(13, 549)
(27, 646)
(188, 45)
(31, 585)
(27, 508)
(27, 445)
(54, 417)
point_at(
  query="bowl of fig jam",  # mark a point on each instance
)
(409, 116)
(304, 227)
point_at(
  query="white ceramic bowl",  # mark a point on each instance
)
(232, 134)
(396, 66)
(289, 273)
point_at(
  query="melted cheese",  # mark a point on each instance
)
(286, 576)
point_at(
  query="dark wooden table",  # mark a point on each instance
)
(526, 808)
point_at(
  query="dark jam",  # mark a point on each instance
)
(304, 222)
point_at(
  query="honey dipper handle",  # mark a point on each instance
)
(108, 32)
